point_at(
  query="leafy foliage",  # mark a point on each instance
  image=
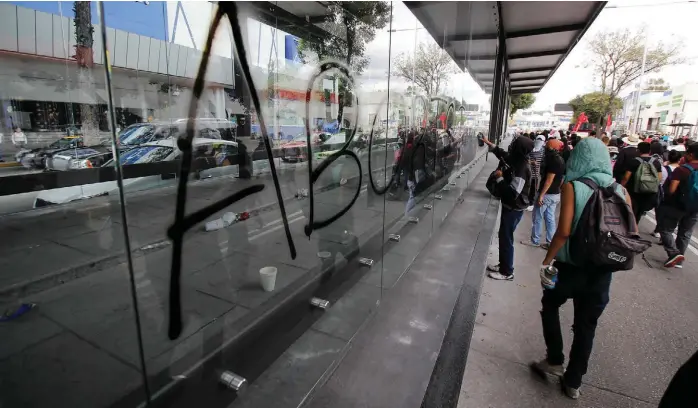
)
(428, 70)
(616, 58)
(351, 25)
(521, 101)
(595, 105)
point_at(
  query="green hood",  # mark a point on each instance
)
(590, 159)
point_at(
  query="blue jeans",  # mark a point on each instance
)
(507, 225)
(547, 212)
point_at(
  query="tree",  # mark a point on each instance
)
(616, 58)
(427, 70)
(656, 85)
(521, 101)
(84, 39)
(596, 105)
(351, 25)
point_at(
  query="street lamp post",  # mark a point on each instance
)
(639, 88)
(414, 59)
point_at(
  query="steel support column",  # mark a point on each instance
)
(499, 91)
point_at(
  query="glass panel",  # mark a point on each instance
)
(68, 332)
(243, 291)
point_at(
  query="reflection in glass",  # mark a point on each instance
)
(374, 148)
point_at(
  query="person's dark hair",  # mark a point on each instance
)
(568, 133)
(674, 156)
(592, 133)
(679, 140)
(575, 139)
(656, 148)
(675, 142)
(563, 139)
(644, 148)
(613, 142)
(525, 134)
(692, 149)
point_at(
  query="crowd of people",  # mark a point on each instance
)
(545, 170)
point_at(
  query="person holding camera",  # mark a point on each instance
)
(512, 184)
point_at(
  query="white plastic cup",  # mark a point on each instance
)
(267, 277)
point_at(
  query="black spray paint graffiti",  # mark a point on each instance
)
(184, 222)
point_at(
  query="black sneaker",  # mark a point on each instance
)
(672, 261)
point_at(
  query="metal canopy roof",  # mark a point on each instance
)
(539, 36)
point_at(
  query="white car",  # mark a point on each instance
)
(212, 158)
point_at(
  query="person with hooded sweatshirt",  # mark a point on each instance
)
(588, 289)
(515, 189)
(536, 158)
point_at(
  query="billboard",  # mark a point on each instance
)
(291, 48)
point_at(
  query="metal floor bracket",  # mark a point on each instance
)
(320, 303)
(233, 381)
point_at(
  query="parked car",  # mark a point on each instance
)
(78, 158)
(36, 158)
(212, 158)
(295, 149)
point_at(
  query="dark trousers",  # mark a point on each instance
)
(508, 222)
(642, 203)
(668, 218)
(590, 294)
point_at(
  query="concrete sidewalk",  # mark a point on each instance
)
(648, 330)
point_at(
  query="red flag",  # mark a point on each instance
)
(582, 118)
(608, 122)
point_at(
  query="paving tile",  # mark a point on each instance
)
(497, 383)
(343, 318)
(64, 371)
(287, 381)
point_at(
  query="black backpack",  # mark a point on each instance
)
(606, 238)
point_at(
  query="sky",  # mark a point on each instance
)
(665, 21)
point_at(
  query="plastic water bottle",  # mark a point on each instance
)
(548, 276)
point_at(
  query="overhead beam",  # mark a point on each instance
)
(533, 78)
(525, 70)
(537, 54)
(547, 30)
(519, 92)
(517, 34)
(589, 20)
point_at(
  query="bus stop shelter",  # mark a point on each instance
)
(508, 47)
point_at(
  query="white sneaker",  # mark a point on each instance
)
(569, 391)
(529, 209)
(499, 276)
(655, 234)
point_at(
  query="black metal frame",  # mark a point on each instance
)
(518, 34)
(499, 91)
(537, 54)
(592, 17)
(533, 78)
(527, 70)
